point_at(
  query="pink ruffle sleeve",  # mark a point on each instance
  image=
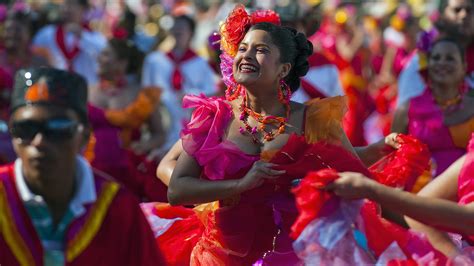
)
(203, 138)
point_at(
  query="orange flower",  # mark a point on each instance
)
(234, 29)
(238, 23)
(38, 92)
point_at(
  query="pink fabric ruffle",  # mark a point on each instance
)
(203, 138)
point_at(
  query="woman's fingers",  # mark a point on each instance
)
(266, 168)
(392, 141)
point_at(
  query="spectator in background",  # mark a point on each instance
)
(456, 21)
(399, 43)
(341, 40)
(424, 116)
(322, 79)
(118, 110)
(178, 72)
(71, 43)
(17, 53)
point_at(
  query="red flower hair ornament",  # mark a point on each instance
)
(238, 23)
(233, 31)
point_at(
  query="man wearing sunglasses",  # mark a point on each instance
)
(54, 210)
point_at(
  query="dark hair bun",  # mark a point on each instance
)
(300, 67)
(305, 50)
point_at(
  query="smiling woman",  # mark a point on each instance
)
(429, 117)
(241, 154)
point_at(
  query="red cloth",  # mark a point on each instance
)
(311, 197)
(177, 77)
(403, 166)
(124, 236)
(178, 252)
(143, 181)
(69, 54)
(410, 160)
(401, 262)
(298, 158)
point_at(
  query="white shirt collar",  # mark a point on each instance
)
(85, 187)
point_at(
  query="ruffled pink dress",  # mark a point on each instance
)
(254, 226)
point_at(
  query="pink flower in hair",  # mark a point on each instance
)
(226, 69)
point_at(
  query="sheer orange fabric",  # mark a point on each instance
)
(462, 132)
(323, 119)
(322, 122)
(135, 114)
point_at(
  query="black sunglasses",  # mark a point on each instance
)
(53, 129)
(459, 9)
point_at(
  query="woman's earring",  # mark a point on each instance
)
(284, 93)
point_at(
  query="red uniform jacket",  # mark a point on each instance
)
(112, 231)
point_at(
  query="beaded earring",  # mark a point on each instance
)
(284, 94)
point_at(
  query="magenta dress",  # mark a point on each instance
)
(108, 154)
(254, 226)
(425, 122)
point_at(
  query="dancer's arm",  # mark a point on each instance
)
(372, 153)
(441, 213)
(400, 119)
(186, 187)
(168, 163)
(443, 187)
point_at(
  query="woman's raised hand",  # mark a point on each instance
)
(352, 186)
(391, 140)
(257, 174)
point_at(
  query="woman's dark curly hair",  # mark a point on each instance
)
(294, 49)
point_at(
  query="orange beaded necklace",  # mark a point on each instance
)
(284, 97)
